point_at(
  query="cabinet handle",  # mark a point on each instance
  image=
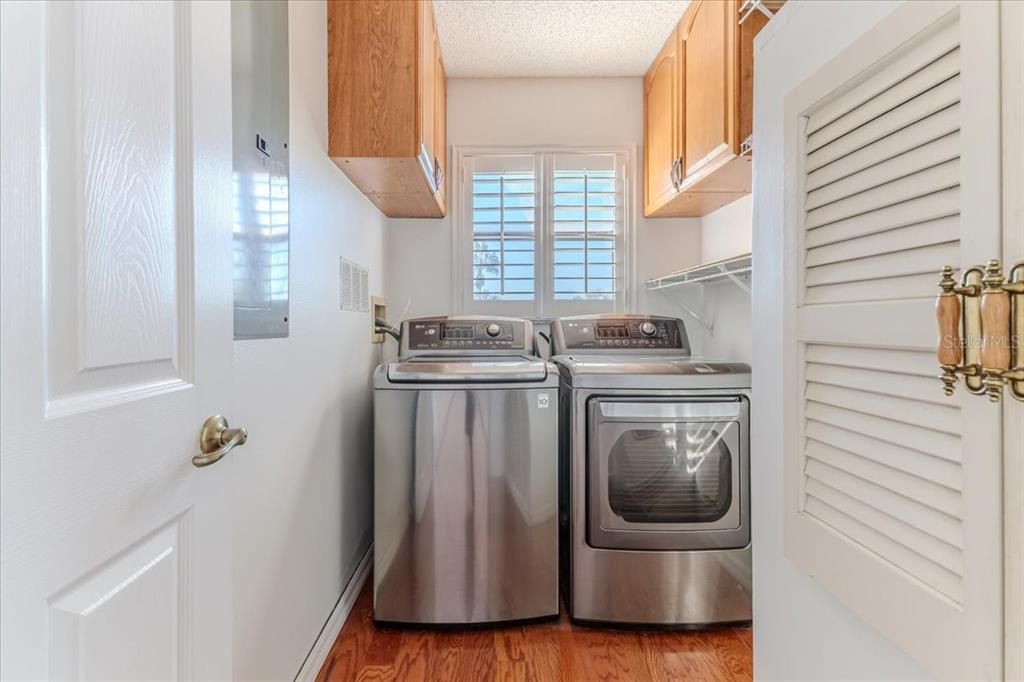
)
(438, 175)
(675, 174)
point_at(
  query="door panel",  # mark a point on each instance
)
(117, 339)
(709, 86)
(660, 128)
(892, 488)
(118, 263)
(139, 591)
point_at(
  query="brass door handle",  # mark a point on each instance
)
(981, 325)
(217, 439)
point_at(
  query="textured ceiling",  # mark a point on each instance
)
(548, 38)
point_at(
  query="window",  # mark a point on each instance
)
(544, 233)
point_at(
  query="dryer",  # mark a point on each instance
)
(655, 475)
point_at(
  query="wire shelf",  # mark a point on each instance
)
(730, 268)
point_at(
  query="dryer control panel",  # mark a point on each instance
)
(620, 333)
(466, 333)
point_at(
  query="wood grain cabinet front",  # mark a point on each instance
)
(661, 128)
(386, 110)
(710, 112)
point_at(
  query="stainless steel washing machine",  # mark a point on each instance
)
(655, 501)
(465, 478)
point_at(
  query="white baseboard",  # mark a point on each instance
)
(318, 654)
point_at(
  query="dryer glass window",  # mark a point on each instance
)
(671, 473)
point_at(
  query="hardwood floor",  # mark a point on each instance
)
(556, 651)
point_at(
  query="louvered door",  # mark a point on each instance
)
(893, 489)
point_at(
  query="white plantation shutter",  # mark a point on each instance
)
(544, 233)
(587, 217)
(503, 218)
(893, 489)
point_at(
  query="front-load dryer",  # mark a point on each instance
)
(655, 493)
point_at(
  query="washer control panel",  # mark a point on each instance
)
(608, 332)
(465, 334)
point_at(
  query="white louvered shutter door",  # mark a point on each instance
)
(893, 489)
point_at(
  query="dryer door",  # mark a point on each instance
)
(668, 474)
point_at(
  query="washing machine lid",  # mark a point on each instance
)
(645, 372)
(468, 369)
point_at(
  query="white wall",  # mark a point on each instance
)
(725, 306)
(527, 112)
(728, 231)
(800, 631)
(303, 493)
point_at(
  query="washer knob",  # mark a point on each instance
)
(648, 328)
(493, 329)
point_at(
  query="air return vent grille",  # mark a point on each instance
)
(355, 287)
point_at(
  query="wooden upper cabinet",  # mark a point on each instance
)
(383, 108)
(713, 111)
(707, 38)
(661, 127)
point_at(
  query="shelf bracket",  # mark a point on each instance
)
(709, 328)
(739, 282)
(750, 6)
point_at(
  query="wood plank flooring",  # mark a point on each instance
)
(557, 651)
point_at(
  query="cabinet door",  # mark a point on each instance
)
(440, 122)
(661, 127)
(708, 39)
(426, 104)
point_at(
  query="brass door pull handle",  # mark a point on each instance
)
(981, 330)
(217, 439)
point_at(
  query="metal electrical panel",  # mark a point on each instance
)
(259, 89)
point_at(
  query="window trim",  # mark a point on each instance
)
(544, 306)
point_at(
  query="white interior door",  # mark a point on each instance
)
(894, 490)
(116, 134)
